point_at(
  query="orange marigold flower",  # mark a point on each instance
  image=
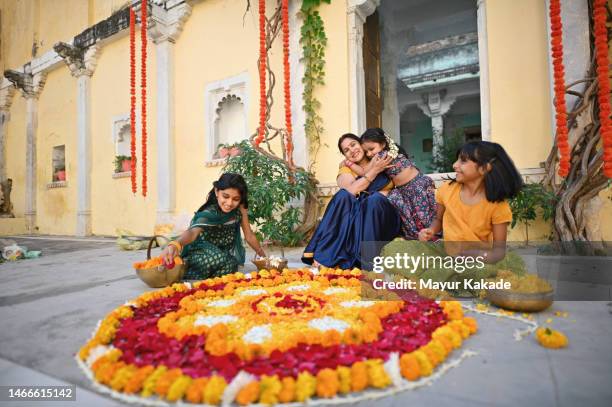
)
(163, 383)
(471, 324)
(327, 383)
(409, 366)
(359, 376)
(195, 391)
(424, 364)
(459, 327)
(248, 394)
(178, 388)
(287, 393)
(214, 390)
(135, 382)
(377, 375)
(269, 388)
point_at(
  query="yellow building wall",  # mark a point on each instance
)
(519, 79)
(112, 203)
(15, 153)
(57, 121)
(61, 20)
(334, 96)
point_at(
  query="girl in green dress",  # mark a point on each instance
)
(212, 245)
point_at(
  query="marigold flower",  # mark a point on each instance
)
(178, 388)
(195, 391)
(377, 375)
(359, 376)
(425, 367)
(269, 388)
(459, 327)
(549, 338)
(287, 393)
(409, 366)
(122, 376)
(135, 382)
(163, 383)
(327, 383)
(306, 386)
(214, 390)
(149, 384)
(471, 324)
(248, 394)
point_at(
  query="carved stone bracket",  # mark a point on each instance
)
(167, 25)
(29, 84)
(80, 61)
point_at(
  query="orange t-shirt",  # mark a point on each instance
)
(469, 223)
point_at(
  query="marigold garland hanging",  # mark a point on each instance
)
(133, 97)
(603, 72)
(143, 90)
(272, 337)
(287, 74)
(556, 35)
(261, 131)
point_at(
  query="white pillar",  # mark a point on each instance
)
(84, 154)
(166, 178)
(165, 26)
(301, 144)
(31, 129)
(358, 11)
(7, 91)
(483, 62)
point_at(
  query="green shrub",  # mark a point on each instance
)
(530, 201)
(271, 187)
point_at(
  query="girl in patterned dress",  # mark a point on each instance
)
(414, 193)
(212, 245)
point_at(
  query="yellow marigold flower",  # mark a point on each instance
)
(165, 381)
(287, 393)
(248, 394)
(446, 342)
(344, 375)
(482, 307)
(214, 390)
(264, 273)
(351, 336)
(135, 382)
(359, 376)
(549, 338)
(195, 391)
(178, 388)
(471, 324)
(327, 383)
(331, 337)
(269, 388)
(84, 351)
(377, 375)
(149, 384)
(122, 377)
(424, 364)
(433, 357)
(306, 386)
(409, 366)
(448, 333)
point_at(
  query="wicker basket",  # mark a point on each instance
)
(160, 276)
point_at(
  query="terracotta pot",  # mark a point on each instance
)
(234, 151)
(60, 175)
(223, 152)
(126, 165)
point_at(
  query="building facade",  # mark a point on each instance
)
(427, 72)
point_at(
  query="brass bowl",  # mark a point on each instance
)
(160, 276)
(516, 301)
(264, 264)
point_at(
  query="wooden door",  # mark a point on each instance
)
(371, 65)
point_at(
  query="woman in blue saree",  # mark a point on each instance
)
(359, 213)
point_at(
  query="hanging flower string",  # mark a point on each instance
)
(262, 73)
(287, 72)
(559, 77)
(603, 72)
(133, 96)
(143, 90)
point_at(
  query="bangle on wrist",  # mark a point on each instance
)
(367, 179)
(177, 245)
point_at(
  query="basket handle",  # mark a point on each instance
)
(154, 239)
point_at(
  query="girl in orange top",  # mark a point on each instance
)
(473, 207)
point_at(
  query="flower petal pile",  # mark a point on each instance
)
(270, 337)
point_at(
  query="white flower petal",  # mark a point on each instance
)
(221, 303)
(211, 320)
(335, 290)
(301, 287)
(258, 334)
(328, 324)
(356, 304)
(255, 291)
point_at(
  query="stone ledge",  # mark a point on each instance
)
(218, 162)
(57, 184)
(123, 174)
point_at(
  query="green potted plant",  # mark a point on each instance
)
(123, 163)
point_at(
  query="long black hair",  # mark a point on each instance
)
(503, 180)
(377, 135)
(225, 181)
(344, 137)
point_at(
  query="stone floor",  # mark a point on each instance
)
(49, 307)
